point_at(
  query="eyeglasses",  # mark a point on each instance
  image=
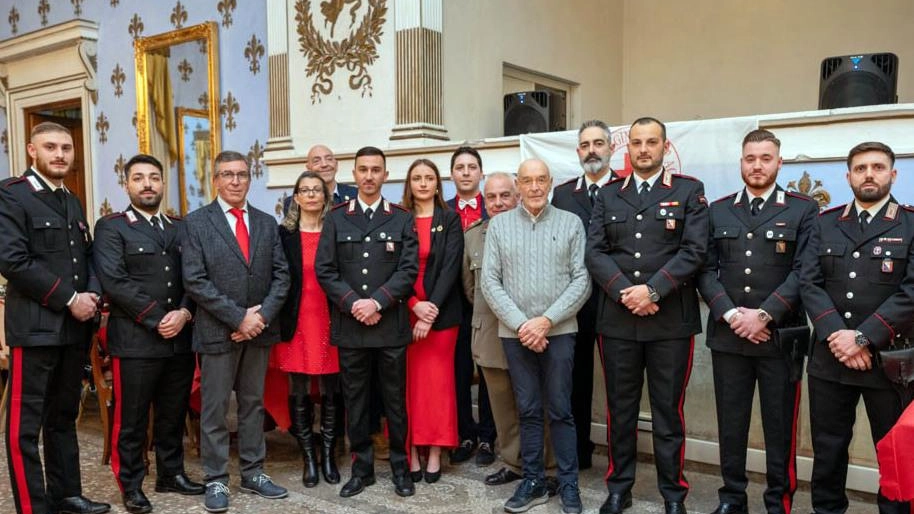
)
(316, 190)
(242, 176)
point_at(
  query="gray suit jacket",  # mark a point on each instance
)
(224, 285)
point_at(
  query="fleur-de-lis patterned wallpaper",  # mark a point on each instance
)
(242, 83)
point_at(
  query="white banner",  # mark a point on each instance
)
(707, 149)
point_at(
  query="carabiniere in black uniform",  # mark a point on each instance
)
(44, 254)
(139, 266)
(858, 276)
(754, 262)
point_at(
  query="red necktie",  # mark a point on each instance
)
(241, 232)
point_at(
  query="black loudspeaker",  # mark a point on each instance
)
(534, 111)
(854, 80)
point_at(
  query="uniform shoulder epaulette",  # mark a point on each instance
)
(569, 181)
(473, 225)
(14, 180)
(687, 177)
(173, 217)
(613, 181)
(398, 206)
(832, 209)
(722, 198)
(114, 215)
(337, 206)
(909, 208)
(801, 196)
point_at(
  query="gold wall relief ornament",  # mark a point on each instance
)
(105, 209)
(119, 165)
(178, 16)
(136, 26)
(814, 190)
(225, 8)
(203, 100)
(77, 7)
(355, 53)
(117, 80)
(102, 126)
(254, 157)
(253, 53)
(228, 109)
(186, 69)
(43, 9)
(14, 20)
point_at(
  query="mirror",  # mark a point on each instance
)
(177, 110)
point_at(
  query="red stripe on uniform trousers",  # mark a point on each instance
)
(682, 480)
(116, 423)
(787, 499)
(15, 422)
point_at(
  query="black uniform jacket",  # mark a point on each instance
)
(379, 259)
(661, 242)
(140, 271)
(45, 257)
(754, 262)
(442, 269)
(861, 281)
(572, 196)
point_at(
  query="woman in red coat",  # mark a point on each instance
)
(305, 353)
(436, 312)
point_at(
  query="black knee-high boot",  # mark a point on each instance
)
(301, 411)
(328, 440)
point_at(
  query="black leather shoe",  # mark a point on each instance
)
(403, 485)
(81, 505)
(432, 476)
(674, 507)
(463, 452)
(356, 485)
(730, 508)
(486, 454)
(179, 484)
(136, 502)
(502, 476)
(616, 503)
(416, 475)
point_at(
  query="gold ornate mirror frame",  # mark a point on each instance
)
(145, 48)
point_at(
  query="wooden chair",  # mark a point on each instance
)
(105, 393)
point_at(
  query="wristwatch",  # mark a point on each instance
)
(653, 295)
(764, 316)
(861, 339)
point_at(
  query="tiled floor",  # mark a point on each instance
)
(460, 490)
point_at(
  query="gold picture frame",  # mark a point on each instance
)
(195, 158)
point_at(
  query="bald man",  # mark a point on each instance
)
(321, 160)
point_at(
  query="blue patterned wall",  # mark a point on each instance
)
(242, 65)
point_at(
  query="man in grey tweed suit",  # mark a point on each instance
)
(535, 281)
(236, 272)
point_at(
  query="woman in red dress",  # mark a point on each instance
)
(436, 312)
(305, 352)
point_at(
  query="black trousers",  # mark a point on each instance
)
(735, 377)
(668, 365)
(163, 384)
(833, 411)
(356, 366)
(582, 377)
(45, 383)
(464, 368)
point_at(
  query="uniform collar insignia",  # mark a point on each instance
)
(35, 183)
(628, 180)
(131, 217)
(847, 210)
(351, 208)
(780, 198)
(739, 197)
(667, 178)
(891, 211)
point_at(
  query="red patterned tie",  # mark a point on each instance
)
(241, 232)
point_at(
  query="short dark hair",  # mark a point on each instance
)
(229, 156)
(141, 158)
(647, 120)
(466, 150)
(870, 146)
(760, 136)
(367, 151)
(48, 126)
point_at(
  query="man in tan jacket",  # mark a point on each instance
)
(499, 195)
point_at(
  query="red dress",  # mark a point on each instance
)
(431, 398)
(309, 351)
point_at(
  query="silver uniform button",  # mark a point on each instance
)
(75, 277)
(637, 255)
(163, 252)
(365, 255)
(850, 295)
(852, 274)
(748, 253)
(169, 300)
(637, 235)
(638, 217)
(72, 243)
(847, 315)
(348, 238)
(749, 235)
(167, 268)
(748, 271)
(47, 223)
(364, 271)
(856, 255)
(169, 284)
(141, 248)
(367, 238)
(74, 260)
(364, 287)
(637, 273)
(747, 289)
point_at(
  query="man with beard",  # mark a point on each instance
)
(858, 288)
(466, 173)
(367, 262)
(647, 240)
(138, 259)
(577, 195)
(751, 284)
(51, 300)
